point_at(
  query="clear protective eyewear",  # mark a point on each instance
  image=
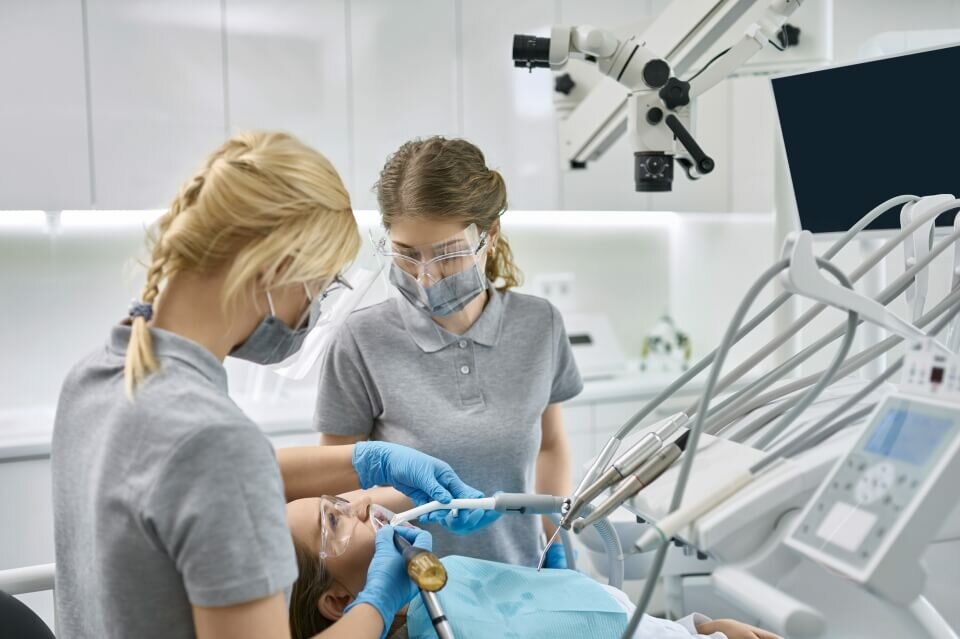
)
(434, 262)
(316, 295)
(339, 519)
(330, 304)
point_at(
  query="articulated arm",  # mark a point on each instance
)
(656, 103)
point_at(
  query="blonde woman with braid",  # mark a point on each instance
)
(168, 500)
(457, 365)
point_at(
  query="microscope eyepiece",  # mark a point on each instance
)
(530, 52)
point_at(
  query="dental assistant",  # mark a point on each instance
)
(168, 500)
(457, 365)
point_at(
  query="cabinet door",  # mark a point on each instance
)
(43, 115)
(157, 98)
(287, 70)
(508, 112)
(578, 422)
(405, 75)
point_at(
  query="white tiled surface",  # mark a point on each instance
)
(286, 70)
(405, 79)
(43, 115)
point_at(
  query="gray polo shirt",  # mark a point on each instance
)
(166, 502)
(474, 401)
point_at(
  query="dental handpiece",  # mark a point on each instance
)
(625, 465)
(423, 567)
(633, 484)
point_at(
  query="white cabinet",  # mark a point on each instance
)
(286, 69)
(157, 96)
(508, 112)
(405, 75)
(45, 162)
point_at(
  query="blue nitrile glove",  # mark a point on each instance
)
(556, 556)
(467, 520)
(420, 477)
(388, 587)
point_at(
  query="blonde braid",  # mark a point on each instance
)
(140, 360)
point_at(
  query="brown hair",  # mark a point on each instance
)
(306, 620)
(262, 200)
(446, 178)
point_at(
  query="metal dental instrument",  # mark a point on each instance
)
(637, 481)
(626, 464)
(426, 571)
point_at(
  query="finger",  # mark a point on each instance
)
(457, 487)
(417, 536)
(437, 492)
(766, 634)
(435, 517)
(417, 496)
(385, 536)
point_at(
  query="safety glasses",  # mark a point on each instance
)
(433, 262)
(338, 520)
(317, 294)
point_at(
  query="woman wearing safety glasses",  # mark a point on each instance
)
(168, 500)
(457, 366)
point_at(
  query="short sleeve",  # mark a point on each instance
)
(566, 376)
(217, 509)
(346, 394)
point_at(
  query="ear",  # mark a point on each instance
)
(333, 601)
(265, 279)
(493, 234)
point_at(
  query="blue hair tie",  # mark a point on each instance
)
(139, 309)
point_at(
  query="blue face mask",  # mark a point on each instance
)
(272, 341)
(447, 296)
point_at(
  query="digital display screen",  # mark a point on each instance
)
(908, 436)
(850, 147)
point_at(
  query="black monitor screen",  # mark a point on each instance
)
(858, 135)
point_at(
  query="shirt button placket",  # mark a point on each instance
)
(467, 367)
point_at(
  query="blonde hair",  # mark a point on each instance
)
(443, 178)
(262, 201)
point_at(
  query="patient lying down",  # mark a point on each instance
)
(482, 599)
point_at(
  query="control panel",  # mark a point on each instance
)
(881, 504)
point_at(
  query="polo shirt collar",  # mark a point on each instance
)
(171, 345)
(431, 337)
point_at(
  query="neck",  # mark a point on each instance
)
(461, 321)
(191, 306)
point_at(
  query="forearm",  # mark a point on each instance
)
(312, 471)
(361, 621)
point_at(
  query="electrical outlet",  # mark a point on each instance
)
(556, 287)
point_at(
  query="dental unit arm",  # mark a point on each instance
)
(656, 103)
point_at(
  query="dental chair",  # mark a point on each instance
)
(16, 619)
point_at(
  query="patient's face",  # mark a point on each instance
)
(349, 568)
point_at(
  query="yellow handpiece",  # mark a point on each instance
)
(426, 571)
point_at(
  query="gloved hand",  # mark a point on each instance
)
(388, 587)
(466, 521)
(556, 556)
(420, 477)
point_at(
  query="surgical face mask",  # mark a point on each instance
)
(441, 278)
(272, 341)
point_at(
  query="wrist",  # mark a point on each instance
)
(367, 462)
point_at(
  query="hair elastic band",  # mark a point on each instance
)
(138, 309)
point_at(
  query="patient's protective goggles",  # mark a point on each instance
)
(439, 278)
(339, 518)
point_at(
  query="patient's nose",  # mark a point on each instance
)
(361, 507)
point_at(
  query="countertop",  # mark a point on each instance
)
(26, 432)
